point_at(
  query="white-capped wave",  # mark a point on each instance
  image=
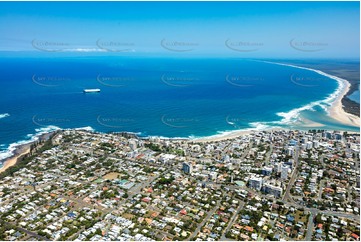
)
(4, 115)
(255, 126)
(259, 126)
(86, 128)
(31, 138)
(293, 115)
(46, 129)
(166, 138)
(220, 134)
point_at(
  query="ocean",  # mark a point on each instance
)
(167, 97)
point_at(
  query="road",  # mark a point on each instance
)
(132, 192)
(294, 204)
(268, 155)
(30, 233)
(310, 225)
(287, 196)
(287, 200)
(231, 221)
(322, 183)
(210, 213)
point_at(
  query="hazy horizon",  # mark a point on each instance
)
(220, 29)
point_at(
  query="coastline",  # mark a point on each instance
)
(220, 137)
(336, 109)
(22, 150)
(19, 152)
(25, 149)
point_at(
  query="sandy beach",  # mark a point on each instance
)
(22, 150)
(337, 112)
(232, 135)
(309, 123)
(12, 160)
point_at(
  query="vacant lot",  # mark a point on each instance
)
(111, 176)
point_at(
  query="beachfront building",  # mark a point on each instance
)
(255, 182)
(284, 172)
(308, 145)
(267, 170)
(272, 187)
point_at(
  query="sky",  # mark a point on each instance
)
(235, 29)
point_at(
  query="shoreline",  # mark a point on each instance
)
(19, 152)
(221, 137)
(232, 135)
(25, 149)
(22, 150)
(336, 109)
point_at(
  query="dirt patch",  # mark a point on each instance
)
(111, 176)
(300, 216)
(128, 216)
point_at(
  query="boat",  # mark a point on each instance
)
(92, 90)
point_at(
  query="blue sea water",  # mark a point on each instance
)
(155, 96)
